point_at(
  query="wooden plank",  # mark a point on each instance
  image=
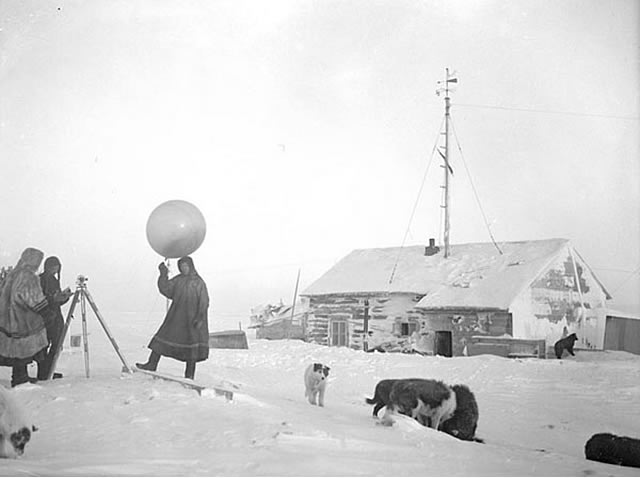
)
(522, 355)
(524, 347)
(187, 383)
(502, 350)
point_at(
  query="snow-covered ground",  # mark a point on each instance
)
(535, 415)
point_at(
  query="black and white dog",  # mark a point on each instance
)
(15, 429)
(428, 401)
(613, 449)
(315, 382)
(566, 343)
(462, 424)
(381, 395)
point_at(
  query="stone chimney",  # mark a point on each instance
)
(432, 249)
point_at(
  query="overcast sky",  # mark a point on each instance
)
(302, 130)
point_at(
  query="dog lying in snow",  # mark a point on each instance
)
(315, 382)
(613, 449)
(428, 401)
(15, 430)
(565, 344)
(462, 424)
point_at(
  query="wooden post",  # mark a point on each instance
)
(85, 335)
(446, 159)
(446, 233)
(366, 326)
(578, 283)
(291, 318)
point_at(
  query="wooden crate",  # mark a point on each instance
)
(507, 347)
(501, 350)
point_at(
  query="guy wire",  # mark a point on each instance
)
(416, 202)
(478, 201)
(628, 277)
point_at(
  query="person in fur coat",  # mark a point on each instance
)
(184, 334)
(54, 322)
(23, 336)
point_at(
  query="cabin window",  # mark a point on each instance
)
(408, 328)
(338, 333)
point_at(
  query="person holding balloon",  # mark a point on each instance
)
(184, 334)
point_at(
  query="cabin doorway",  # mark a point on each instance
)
(338, 333)
(443, 343)
(614, 334)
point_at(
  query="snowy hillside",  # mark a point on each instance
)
(535, 415)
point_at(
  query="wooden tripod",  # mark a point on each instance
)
(83, 296)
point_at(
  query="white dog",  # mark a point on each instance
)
(315, 383)
(15, 430)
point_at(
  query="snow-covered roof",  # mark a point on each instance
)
(474, 275)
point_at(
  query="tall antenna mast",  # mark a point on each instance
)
(449, 78)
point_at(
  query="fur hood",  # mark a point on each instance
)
(30, 259)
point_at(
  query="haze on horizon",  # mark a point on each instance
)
(302, 130)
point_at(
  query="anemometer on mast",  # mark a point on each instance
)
(444, 88)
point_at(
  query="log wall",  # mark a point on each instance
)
(386, 312)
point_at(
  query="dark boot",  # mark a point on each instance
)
(54, 333)
(19, 375)
(43, 368)
(190, 369)
(152, 362)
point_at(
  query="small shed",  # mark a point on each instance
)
(622, 331)
(228, 339)
(530, 290)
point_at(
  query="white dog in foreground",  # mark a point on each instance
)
(15, 429)
(315, 383)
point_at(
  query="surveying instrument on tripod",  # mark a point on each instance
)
(83, 296)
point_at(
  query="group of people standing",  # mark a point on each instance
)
(31, 322)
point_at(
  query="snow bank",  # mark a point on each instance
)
(535, 415)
